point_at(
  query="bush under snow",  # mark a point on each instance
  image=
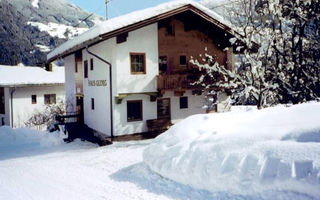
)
(244, 151)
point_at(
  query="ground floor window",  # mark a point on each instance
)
(92, 103)
(34, 99)
(49, 98)
(134, 110)
(183, 102)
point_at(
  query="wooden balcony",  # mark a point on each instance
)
(174, 82)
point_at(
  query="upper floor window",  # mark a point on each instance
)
(34, 99)
(91, 64)
(85, 69)
(138, 63)
(49, 98)
(183, 60)
(122, 37)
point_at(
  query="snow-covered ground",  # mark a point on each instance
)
(266, 154)
(38, 165)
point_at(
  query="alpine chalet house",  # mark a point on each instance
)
(132, 72)
(25, 91)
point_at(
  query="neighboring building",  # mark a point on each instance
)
(134, 68)
(26, 90)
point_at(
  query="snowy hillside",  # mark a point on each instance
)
(31, 28)
(244, 152)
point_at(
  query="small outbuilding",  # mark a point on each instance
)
(26, 90)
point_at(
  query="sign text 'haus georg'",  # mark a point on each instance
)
(97, 83)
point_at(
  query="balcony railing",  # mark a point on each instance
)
(175, 81)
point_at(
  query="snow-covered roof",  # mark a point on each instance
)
(94, 34)
(19, 76)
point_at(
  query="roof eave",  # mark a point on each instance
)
(141, 24)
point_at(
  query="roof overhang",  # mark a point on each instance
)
(31, 85)
(144, 23)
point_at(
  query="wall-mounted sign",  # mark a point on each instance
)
(97, 83)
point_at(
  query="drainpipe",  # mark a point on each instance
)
(11, 99)
(110, 77)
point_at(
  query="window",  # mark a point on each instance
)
(122, 38)
(138, 63)
(170, 30)
(134, 110)
(92, 103)
(76, 67)
(163, 64)
(183, 102)
(49, 98)
(2, 103)
(85, 69)
(34, 99)
(91, 64)
(183, 60)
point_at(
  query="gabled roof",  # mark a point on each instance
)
(136, 20)
(21, 76)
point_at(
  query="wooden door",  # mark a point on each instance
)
(163, 108)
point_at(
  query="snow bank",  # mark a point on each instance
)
(245, 151)
(20, 75)
(11, 138)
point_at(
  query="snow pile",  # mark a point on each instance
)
(58, 30)
(20, 75)
(243, 152)
(131, 18)
(25, 137)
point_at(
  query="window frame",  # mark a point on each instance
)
(33, 99)
(141, 110)
(50, 95)
(144, 63)
(181, 104)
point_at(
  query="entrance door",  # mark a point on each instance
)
(80, 108)
(163, 108)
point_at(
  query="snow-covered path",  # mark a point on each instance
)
(84, 171)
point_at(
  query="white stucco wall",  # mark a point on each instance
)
(122, 126)
(99, 118)
(195, 105)
(23, 108)
(144, 40)
(70, 84)
(123, 81)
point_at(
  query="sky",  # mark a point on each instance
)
(115, 7)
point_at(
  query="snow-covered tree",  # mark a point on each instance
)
(286, 66)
